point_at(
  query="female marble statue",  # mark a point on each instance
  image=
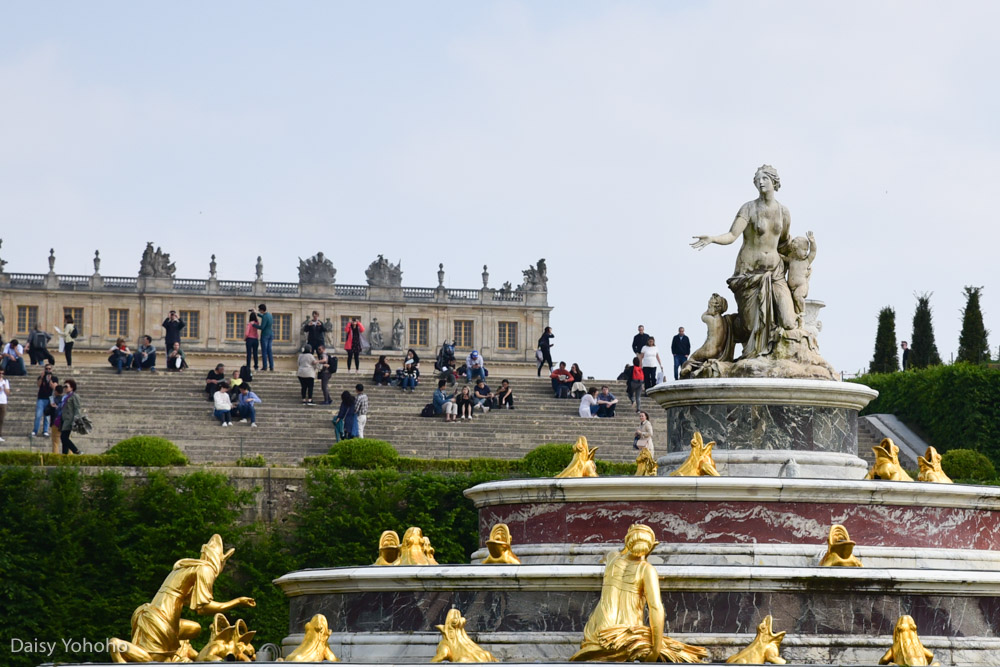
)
(764, 301)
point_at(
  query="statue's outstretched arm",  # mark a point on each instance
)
(739, 224)
(657, 616)
(215, 607)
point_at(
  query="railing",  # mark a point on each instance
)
(351, 291)
(190, 285)
(281, 288)
(464, 294)
(74, 282)
(120, 282)
(419, 293)
(27, 279)
(508, 296)
(238, 286)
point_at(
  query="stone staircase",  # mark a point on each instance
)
(173, 405)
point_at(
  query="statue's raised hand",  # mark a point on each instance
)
(701, 242)
(247, 601)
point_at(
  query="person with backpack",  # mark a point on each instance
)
(38, 352)
(68, 336)
(635, 381)
(251, 337)
(544, 353)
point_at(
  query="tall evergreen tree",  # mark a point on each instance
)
(923, 349)
(886, 359)
(973, 346)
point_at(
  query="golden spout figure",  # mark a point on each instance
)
(886, 464)
(839, 549)
(582, 464)
(456, 645)
(616, 630)
(315, 645)
(699, 462)
(499, 546)
(415, 549)
(388, 548)
(906, 647)
(764, 647)
(645, 464)
(428, 551)
(228, 643)
(930, 468)
(159, 634)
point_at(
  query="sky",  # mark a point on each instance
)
(601, 136)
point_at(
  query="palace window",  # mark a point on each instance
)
(463, 334)
(192, 324)
(506, 335)
(282, 327)
(418, 332)
(235, 323)
(118, 322)
(27, 318)
(77, 315)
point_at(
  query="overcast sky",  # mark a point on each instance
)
(598, 135)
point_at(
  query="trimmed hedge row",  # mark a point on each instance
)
(141, 451)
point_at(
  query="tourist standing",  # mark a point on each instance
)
(69, 334)
(70, 411)
(266, 328)
(644, 434)
(680, 347)
(4, 393)
(46, 381)
(906, 354)
(352, 346)
(314, 332)
(307, 374)
(345, 423)
(361, 409)
(38, 341)
(251, 337)
(323, 370)
(640, 340)
(635, 383)
(649, 355)
(55, 412)
(545, 347)
(172, 327)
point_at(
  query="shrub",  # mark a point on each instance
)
(362, 454)
(547, 460)
(967, 464)
(255, 461)
(148, 451)
(23, 458)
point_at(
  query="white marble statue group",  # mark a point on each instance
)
(770, 284)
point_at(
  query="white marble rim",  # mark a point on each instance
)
(771, 457)
(688, 578)
(735, 489)
(762, 391)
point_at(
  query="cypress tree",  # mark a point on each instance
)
(923, 349)
(886, 359)
(973, 346)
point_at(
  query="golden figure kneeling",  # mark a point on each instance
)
(388, 548)
(616, 630)
(839, 549)
(582, 463)
(228, 643)
(315, 645)
(499, 546)
(886, 464)
(159, 634)
(930, 468)
(699, 462)
(906, 647)
(456, 645)
(645, 464)
(764, 647)
(415, 549)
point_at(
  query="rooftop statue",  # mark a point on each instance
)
(699, 462)
(930, 468)
(770, 283)
(499, 546)
(159, 634)
(317, 270)
(886, 464)
(156, 263)
(383, 273)
(906, 646)
(228, 643)
(536, 278)
(617, 630)
(456, 645)
(3, 262)
(315, 645)
(764, 647)
(839, 549)
(582, 464)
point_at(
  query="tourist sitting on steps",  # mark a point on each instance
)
(119, 356)
(444, 404)
(578, 388)
(606, 403)
(474, 366)
(561, 381)
(13, 358)
(588, 404)
(482, 397)
(175, 360)
(464, 403)
(223, 404)
(505, 395)
(409, 374)
(145, 356)
(383, 373)
(213, 379)
(245, 405)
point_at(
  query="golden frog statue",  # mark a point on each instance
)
(315, 645)
(906, 647)
(499, 546)
(699, 462)
(582, 463)
(228, 643)
(764, 647)
(645, 464)
(616, 630)
(886, 464)
(930, 468)
(839, 549)
(456, 645)
(415, 549)
(388, 548)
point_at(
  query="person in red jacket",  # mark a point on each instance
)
(352, 346)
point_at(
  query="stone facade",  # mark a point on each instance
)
(503, 324)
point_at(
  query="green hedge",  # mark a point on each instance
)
(148, 450)
(967, 465)
(362, 454)
(955, 406)
(23, 458)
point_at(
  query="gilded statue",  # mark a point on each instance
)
(159, 634)
(645, 464)
(699, 462)
(582, 464)
(886, 464)
(415, 549)
(499, 546)
(616, 630)
(906, 647)
(930, 468)
(764, 647)
(388, 548)
(315, 645)
(228, 643)
(456, 645)
(839, 549)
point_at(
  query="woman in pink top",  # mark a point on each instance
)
(252, 337)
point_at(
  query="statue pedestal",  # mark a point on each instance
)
(767, 427)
